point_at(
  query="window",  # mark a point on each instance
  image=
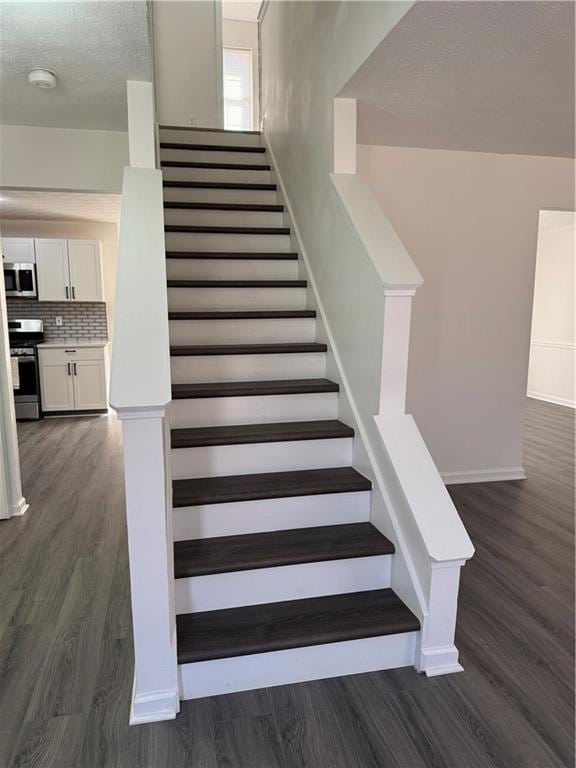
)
(237, 89)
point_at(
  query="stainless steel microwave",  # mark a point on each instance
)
(20, 280)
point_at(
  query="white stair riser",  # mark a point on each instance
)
(216, 218)
(213, 241)
(180, 299)
(219, 411)
(253, 458)
(289, 582)
(231, 269)
(207, 195)
(296, 665)
(227, 138)
(242, 331)
(213, 156)
(215, 368)
(243, 517)
(234, 175)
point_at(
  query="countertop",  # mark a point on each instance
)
(61, 343)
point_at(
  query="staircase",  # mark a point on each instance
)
(279, 574)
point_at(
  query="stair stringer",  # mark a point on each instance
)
(422, 583)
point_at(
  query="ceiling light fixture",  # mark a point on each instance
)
(41, 78)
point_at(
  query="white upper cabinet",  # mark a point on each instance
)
(18, 249)
(52, 273)
(85, 270)
(69, 270)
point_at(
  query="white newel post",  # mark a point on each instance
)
(140, 393)
(438, 653)
(148, 511)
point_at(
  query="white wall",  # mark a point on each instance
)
(62, 158)
(244, 34)
(87, 230)
(470, 222)
(308, 52)
(553, 341)
(188, 62)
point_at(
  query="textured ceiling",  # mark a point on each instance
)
(92, 48)
(479, 76)
(59, 206)
(241, 10)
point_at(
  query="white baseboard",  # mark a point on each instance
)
(484, 475)
(552, 399)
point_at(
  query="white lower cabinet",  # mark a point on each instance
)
(73, 378)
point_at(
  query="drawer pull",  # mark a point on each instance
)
(69, 350)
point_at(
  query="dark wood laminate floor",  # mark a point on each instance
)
(66, 659)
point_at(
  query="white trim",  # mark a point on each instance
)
(553, 344)
(20, 507)
(552, 399)
(219, 51)
(296, 665)
(440, 661)
(483, 475)
(153, 707)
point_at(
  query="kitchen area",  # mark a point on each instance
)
(57, 325)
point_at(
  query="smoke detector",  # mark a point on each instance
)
(41, 78)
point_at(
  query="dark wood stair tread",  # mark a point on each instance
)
(252, 388)
(236, 283)
(291, 624)
(234, 255)
(204, 130)
(199, 350)
(191, 492)
(210, 147)
(214, 166)
(194, 206)
(249, 314)
(228, 554)
(218, 185)
(212, 230)
(242, 434)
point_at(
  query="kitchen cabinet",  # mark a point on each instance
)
(73, 378)
(18, 250)
(52, 273)
(69, 270)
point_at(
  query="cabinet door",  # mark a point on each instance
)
(89, 384)
(57, 385)
(52, 270)
(85, 270)
(18, 249)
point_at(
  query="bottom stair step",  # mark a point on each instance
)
(294, 624)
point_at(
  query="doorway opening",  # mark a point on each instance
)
(551, 371)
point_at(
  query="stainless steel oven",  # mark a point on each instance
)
(20, 279)
(24, 335)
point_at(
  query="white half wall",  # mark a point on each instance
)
(80, 230)
(188, 62)
(244, 34)
(553, 342)
(470, 222)
(62, 158)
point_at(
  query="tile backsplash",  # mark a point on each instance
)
(85, 321)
